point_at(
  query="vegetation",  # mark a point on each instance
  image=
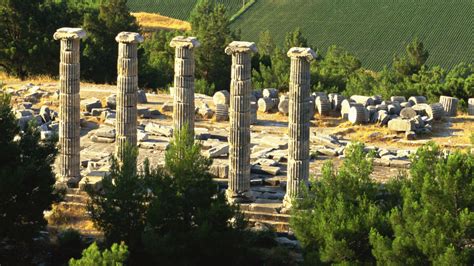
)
(427, 219)
(174, 214)
(435, 222)
(26, 184)
(180, 9)
(116, 256)
(372, 30)
(210, 25)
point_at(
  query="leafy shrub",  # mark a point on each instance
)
(116, 256)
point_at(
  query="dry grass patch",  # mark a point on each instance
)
(154, 21)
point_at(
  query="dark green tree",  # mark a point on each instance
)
(156, 59)
(116, 256)
(188, 214)
(119, 209)
(102, 24)
(27, 46)
(415, 58)
(210, 24)
(435, 223)
(26, 183)
(335, 215)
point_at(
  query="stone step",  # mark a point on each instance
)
(264, 216)
(79, 198)
(279, 227)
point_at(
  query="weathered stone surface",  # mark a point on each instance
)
(127, 87)
(239, 137)
(221, 97)
(89, 104)
(298, 122)
(45, 113)
(364, 100)
(401, 125)
(69, 104)
(265, 105)
(106, 132)
(435, 111)
(345, 107)
(450, 105)
(407, 113)
(283, 105)
(219, 170)
(336, 101)
(159, 130)
(357, 114)
(218, 151)
(399, 99)
(222, 112)
(167, 107)
(270, 93)
(470, 106)
(417, 99)
(323, 106)
(141, 96)
(265, 169)
(112, 101)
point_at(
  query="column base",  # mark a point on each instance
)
(239, 197)
(67, 182)
(287, 205)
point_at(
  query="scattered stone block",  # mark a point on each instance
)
(264, 169)
(357, 114)
(89, 104)
(221, 97)
(450, 105)
(401, 125)
(218, 151)
(141, 96)
(222, 112)
(111, 101)
(364, 100)
(322, 105)
(283, 105)
(159, 130)
(105, 132)
(417, 99)
(270, 93)
(167, 107)
(407, 113)
(265, 104)
(470, 106)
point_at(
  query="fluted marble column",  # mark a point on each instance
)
(69, 104)
(239, 117)
(127, 86)
(183, 97)
(298, 121)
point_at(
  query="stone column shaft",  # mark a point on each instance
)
(69, 104)
(239, 117)
(183, 97)
(127, 86)
(298, 121)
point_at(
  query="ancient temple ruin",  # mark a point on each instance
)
(239, 117)
(127, 86)
(69, 104)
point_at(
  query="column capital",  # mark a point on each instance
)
(129, 37)
(181, 41)
(69, 33)
(240, 47)
(307, 53)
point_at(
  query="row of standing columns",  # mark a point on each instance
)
(183, 103)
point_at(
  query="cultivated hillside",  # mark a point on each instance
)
(179, 9)
(374, 30)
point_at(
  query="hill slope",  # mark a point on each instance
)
(374, 30)
(180, 9)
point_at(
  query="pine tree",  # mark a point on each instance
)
(116, 256)
(334, 217)
(210, 24)
(26, 181)
(102, 24)
(435, 222)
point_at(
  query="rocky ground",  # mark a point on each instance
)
(329, 137)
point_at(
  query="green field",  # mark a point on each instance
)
(179, 9)
(374, 30)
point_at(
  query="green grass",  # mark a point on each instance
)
(374, 30)
(180, 9)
